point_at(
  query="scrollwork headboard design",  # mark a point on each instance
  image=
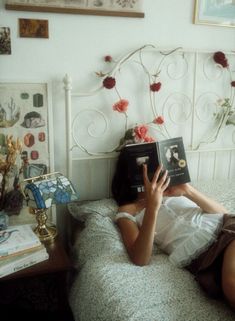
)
(174, 92)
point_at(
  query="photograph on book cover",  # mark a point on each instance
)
(122, 8)
(215, 12)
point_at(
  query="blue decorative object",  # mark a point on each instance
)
(3, 220)
(49, 189)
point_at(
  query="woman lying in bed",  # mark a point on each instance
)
(187, 225)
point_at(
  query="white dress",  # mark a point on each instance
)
(182, 230)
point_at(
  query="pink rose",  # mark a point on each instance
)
(109, 82)
(155, 86)
(149, 139)
(141, 131)
(121, 106)
(158, 120)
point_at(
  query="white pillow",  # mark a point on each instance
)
(82, 209)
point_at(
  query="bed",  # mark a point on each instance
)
(106, 285)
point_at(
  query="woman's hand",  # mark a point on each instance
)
(178, 190)
(155, 188)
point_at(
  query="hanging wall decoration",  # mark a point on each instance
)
(121, 8)
(215, 13)
(5, 41)
(25, 112)
(33, 28)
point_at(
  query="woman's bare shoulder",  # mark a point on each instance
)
(128, 208)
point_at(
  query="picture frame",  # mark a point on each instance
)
(33, 28)
(118, 8)
(26, 113)
(215, 13)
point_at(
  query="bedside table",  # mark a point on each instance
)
(40, 291)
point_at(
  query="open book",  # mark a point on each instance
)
(169, 152)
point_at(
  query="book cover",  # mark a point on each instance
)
(19, 262)
(169, 152)
(17, 238)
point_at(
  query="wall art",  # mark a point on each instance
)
(215, 12)
(5, 41)
(122, 8)
(25, 113)
(33, 28)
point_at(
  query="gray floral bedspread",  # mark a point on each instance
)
(108, 287)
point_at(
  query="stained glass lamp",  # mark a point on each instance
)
(41, 193)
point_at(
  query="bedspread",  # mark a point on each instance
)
(108, 287)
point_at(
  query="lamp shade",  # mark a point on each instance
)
(44, 191)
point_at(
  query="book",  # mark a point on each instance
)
(17, 238)
(170, 153)
(19, 262)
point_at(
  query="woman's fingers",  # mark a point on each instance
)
(157, 174)
(145, 174)
(166, 183)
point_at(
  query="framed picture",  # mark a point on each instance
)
(215, 12)
(26, 113)
(122, 8)
(33, 28)
(5, 41)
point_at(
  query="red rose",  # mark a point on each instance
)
(220, 58)
(108, 58)
(158, 120)
(121, 106)
(109, 82)
(233, 83)
(155, 86)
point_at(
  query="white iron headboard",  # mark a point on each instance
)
(195, 96)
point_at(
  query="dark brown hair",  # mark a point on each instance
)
(121, 189)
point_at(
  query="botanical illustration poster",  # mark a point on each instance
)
(24, 115)
(119, 5)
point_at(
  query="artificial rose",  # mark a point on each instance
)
(109, 82)
(220, 58)
(121, 106)
(155, 86)
(233, 83)
(158, 120)
(108, 58)
(149, 139)
(141, 131)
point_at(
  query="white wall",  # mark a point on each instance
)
(77, 44)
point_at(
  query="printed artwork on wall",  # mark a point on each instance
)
(125, 8)
(33, 28)
(25, 114)
(5, 41)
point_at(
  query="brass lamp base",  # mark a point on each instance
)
(44, 232)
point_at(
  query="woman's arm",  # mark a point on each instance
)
(139, 241)
(207, 204)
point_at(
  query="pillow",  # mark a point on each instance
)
(81, 210)
(221, 190)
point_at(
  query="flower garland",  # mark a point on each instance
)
(140, 132)
(226, 114)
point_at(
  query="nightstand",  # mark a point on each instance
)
(40, 291)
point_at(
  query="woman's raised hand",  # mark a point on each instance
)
(155, 188)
